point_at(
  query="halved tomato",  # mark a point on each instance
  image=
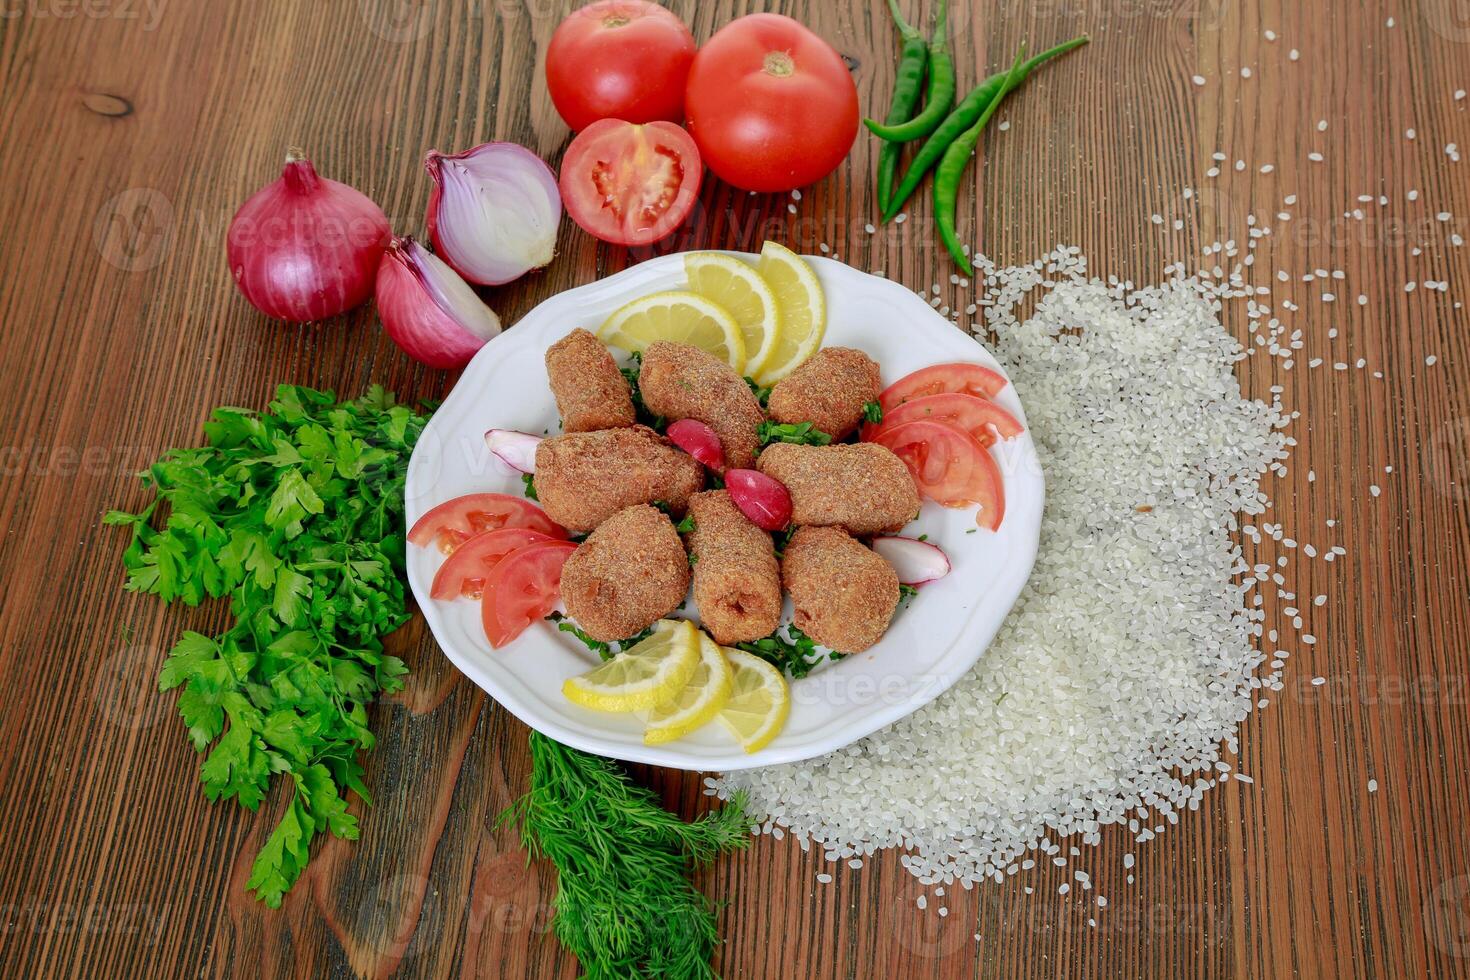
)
(455, 521)
(980, 417)
(630, 184)
(463, 573)
(967, 379)
(949, 466)
(523, 587)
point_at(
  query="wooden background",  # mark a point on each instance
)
(131, 131)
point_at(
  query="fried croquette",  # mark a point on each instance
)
(829, 390)
(844, 593)
(737, 583)
(629, 573)
(583, 478)
(862, 488)
(678, 381)
(590, 391)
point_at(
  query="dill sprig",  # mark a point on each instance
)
(625, 905)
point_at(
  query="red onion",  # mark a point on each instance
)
(764, 501)
(515, 449)
(306, 248)
(427, 310)
(915, 561)
(494, 211)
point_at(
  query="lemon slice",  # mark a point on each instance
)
(681, 317)
(802, 308)
(759, 701)
(698, 703)
(649, 673)
(736, 286)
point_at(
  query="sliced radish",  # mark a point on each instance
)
(763, 500)
(515, 449)
(915, 561)
(699, 441)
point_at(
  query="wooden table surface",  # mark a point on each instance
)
(132, 129)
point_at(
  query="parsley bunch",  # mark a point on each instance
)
(799, 433)
(797, 655)
(624, 906)
(296, 514)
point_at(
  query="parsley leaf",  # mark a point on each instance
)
(795, 653)
(295, 514)
(800, 433)
(761, 392)
(873, 412)
(630, 374)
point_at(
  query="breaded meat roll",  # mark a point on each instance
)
(583, 478)
(629, 573)
(683, 382)
(863, 488)
(829, 390)
(590, 391)
(844, 593)
(737, 583)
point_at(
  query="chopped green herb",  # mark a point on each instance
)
(923, 537)
(630, 373)
(873, 412)
(686, 526)
(800, 433)
(662, 505)
(296, 514)
(781, 539)
(971, 530)
(625, 905)
(604, 649)
(906, 594)
(796, 653)
(762, 393)
(528, 483)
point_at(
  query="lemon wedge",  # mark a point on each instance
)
(678, 316)
(802, 308)
(697, 704)
(740, 290)
(759, 701)
(648, 674)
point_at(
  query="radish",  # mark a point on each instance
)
(915, 561)
(515, 449)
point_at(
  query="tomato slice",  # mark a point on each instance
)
(629, 184)
(463, 572)
(523, 587)
(455, 521)
(980, 417)
(949, 466)
(967, 379)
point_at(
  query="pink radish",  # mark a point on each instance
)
(515, 449)
(915, 561)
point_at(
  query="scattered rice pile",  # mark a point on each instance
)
(1129, 658)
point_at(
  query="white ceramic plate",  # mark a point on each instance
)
(933, 641)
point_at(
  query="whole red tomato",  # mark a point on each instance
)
(770, 105)
(619, 59)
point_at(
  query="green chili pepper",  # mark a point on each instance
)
(941, 89)
(963, 117)
(906, 85)
(957, 156)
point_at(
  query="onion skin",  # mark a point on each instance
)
(427, 310)
(306, 248)
(470, 238)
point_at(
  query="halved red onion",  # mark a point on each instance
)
(494, 211)
(427, 310)
(915, 561)
(699, 441)
(515, 449)
(763, 500)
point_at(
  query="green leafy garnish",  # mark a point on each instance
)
(781, 539)
(873, 412)
(603, 648)
(906, 593)
(528, 483)
(686, 526)
(800, 433)
(296, 514)
(625, 905)
(761, 392)
(630, 373)
(795, 653)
